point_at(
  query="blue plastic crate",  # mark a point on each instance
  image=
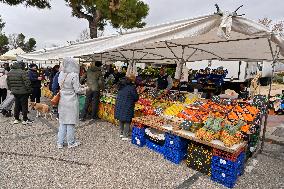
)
(175, 156)
(241, 170)
(138, 140)
(157, 148)
(138, 131)
(227, 183)
(175, 142)
(225, 177)
(224, 174)
(227, 164)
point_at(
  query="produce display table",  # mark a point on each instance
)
(215, 143)
(191, 136)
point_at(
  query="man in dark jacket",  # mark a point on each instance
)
(19, 84)
(35, 83)
(95, 83)
(55, 89)
(164, 81)
(55, 85)
(54, 71)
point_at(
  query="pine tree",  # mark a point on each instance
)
(3, 39)
(122, 14)
(29, 3)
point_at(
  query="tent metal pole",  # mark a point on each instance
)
(191, 55)
(172, 51)
(155, 54)
(146, 53)
(133, 54)
(181, 63)
(184, 61)
(275, 57)
(122, 55)
(188, 46)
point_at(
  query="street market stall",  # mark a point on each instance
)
(214, 135)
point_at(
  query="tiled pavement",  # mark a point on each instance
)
(29, 159)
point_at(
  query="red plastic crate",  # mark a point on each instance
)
(138, 125)
(226, 155)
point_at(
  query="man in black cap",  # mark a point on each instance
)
(19, 84)
(95, 83)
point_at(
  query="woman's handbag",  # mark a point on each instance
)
(55, 100)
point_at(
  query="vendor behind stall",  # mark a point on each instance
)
(243, 94)
(164, 81)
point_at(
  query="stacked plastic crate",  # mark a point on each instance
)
(155, 140)
(154, 146)
(226, 167)
(253, 137)
(199, 157)
(138, 135)
(175, 148)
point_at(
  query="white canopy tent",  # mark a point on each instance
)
(12, 54)
(223, 37)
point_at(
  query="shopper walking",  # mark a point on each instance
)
(3, 85)
(68, 107)
(124, 106)
(19, 84)
(35, 83)
(54, 71)
(95, 83)
(55, 89)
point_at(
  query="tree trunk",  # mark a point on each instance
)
(93, 29)
(93, 24)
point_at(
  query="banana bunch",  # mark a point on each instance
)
(173, 110)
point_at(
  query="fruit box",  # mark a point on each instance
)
(199, 157)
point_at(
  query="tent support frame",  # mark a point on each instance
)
(275, 58)
(180, 61)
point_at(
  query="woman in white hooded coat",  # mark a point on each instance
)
(68, 107)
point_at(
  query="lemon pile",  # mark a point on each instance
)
(173, 110)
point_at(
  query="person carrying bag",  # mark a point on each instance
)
(56, 98)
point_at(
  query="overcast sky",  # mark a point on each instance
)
(56, 26)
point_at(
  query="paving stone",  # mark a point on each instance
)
(29, 159)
